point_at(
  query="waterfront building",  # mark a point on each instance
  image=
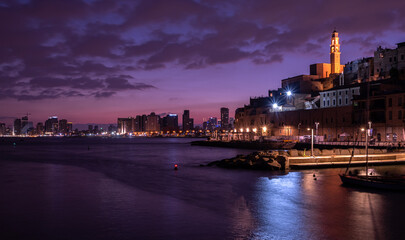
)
(2, 129)
(152, 123)
(170, 123)
(224, 118)
(63, 126)
(40, 128)
(389, 62)
(339, 96)
(17, 127)
(188, 123)
(336, 105)
(51, 125)
(125, 125)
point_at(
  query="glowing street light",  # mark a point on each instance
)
(275, 105)
(254, 130)
(289, 93)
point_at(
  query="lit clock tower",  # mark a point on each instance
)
(335, 53)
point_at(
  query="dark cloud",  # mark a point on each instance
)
(92, 48)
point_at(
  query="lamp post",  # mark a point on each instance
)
(316, 126)
(312, 141)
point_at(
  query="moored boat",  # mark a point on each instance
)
(378, 182)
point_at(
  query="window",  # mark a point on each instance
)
(402, 57)
(334, 103)
(347, 101)
(327, 94)
(340, 93)
(399, 101)
(390, 115)
(390, 59)
(340, 101)
(399, 114)
(328, 103)
(395, 59)
(324, 103)
(334, 93)
(343, 119)
(378, 70)
(390, 102)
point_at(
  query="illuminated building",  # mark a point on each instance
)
(17, 127)
(125, 125)
(170, 123)
(51, 125)
(225, 118)
(2, 129)
(188, 123)
(152, 123)
(63, 126)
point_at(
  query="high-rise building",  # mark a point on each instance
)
(2, 129)
(188, 123)
(170, 123)
(125, 125)
(63, 126)
(17, 127)
(152, 123)
(40, 128)
(144, 119)
(69, 127)
(51, 125)
(224, 118)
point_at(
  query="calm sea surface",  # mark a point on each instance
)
(126, 188)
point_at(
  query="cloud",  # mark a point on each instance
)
(87, 48)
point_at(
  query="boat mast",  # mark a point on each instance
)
(368, 128)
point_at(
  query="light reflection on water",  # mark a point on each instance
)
(127, 189)
(278, 213)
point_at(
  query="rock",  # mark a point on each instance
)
(327, 152)
(283, 162)
(293, 152)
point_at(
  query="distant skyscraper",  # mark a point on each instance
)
(40, 128)
(170, 123)
(126, 125)
(188, 123)
(51, 125)
(224, 118)
(143, 124)
(2, 129)
(17, 127)
(152, 123)
(63, 126)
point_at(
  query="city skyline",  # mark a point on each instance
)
(94, 61)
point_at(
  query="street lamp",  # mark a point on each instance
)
(316, 126)
(312, 141)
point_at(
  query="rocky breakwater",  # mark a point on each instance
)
(263, 160)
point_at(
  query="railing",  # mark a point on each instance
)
(361, 143)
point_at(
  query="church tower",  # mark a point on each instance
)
(335, 53)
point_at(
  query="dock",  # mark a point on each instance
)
(343, 160)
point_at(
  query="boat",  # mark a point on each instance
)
(377, 182)
(369, 179)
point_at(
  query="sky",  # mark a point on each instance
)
(92, 61)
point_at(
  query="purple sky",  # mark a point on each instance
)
(96, 60)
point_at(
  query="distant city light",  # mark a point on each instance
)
(289, 93)
(275, 105)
